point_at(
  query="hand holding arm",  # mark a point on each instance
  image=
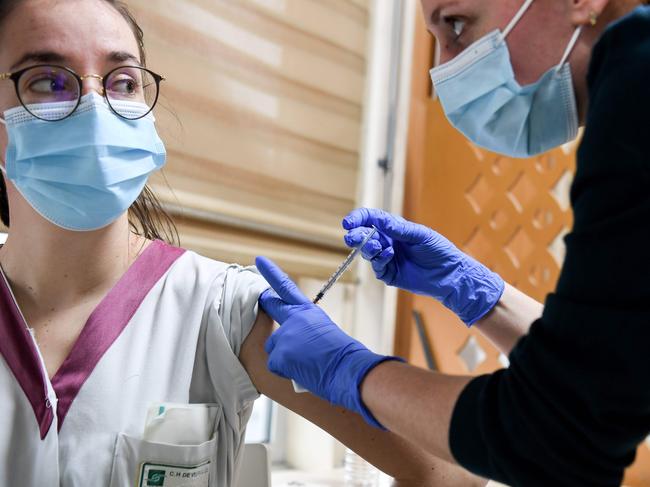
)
(312, 350)
(316, 353)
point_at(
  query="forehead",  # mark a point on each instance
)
(82, 31)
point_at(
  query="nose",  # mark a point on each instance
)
(92, 82)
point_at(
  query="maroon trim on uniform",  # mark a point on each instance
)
(19, 351)
(103, 327)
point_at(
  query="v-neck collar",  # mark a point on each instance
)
(102, 328)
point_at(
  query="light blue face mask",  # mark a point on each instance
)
(84, 172)
(482, 99)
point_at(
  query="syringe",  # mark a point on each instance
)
(332, 280)
(343, 267)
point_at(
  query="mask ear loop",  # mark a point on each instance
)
(522, 11)
(569, 49)
(4, 162)
(513, 23)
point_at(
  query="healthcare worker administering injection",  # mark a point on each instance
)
(518, 77)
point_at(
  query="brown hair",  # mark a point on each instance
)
(146, 216)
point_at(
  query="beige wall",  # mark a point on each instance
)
(261, 114)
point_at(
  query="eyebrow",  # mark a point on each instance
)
(46, 57)
(435, 16)
(122, 57)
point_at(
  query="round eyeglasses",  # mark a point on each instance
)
(51, 84)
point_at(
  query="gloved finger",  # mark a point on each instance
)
(384, 257)
(356, 236)
(385, 240)
(280, 282)
(380, 263)
(373, 247)
(390, 225)
(275, 307)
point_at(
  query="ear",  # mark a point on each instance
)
(585, 12)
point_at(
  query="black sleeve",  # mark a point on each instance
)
(575, 402)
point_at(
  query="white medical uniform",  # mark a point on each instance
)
(169, 333)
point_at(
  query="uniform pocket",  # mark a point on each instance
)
(144, 463)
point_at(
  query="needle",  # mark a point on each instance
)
(343, 267)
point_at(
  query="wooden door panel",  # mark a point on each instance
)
(504, 212)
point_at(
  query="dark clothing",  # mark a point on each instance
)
(575, 402)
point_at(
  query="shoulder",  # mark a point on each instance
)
(227, 287)
(198, 269)
(619, 96)
(197, 277)
(624, 46)
(234, 278)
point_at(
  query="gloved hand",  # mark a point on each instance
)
(415, 258)
(310, 349)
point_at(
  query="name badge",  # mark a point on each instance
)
(160, 475)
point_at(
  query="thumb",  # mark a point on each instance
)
(280, 282)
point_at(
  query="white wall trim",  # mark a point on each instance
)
(367, 308)
(375, 325)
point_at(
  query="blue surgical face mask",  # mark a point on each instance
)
(84, 172)
(482, 99)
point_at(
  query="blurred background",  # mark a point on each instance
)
(280, 116)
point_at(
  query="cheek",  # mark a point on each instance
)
(529, 66)
(8, 97)
(535, 48)
(6, 101)
(448, 52)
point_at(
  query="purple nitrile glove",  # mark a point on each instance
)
(415, 258)
(310, 348)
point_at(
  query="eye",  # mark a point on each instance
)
(125, 85)
(456, 24)
(48, 84)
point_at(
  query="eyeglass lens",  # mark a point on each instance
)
(130, 91)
